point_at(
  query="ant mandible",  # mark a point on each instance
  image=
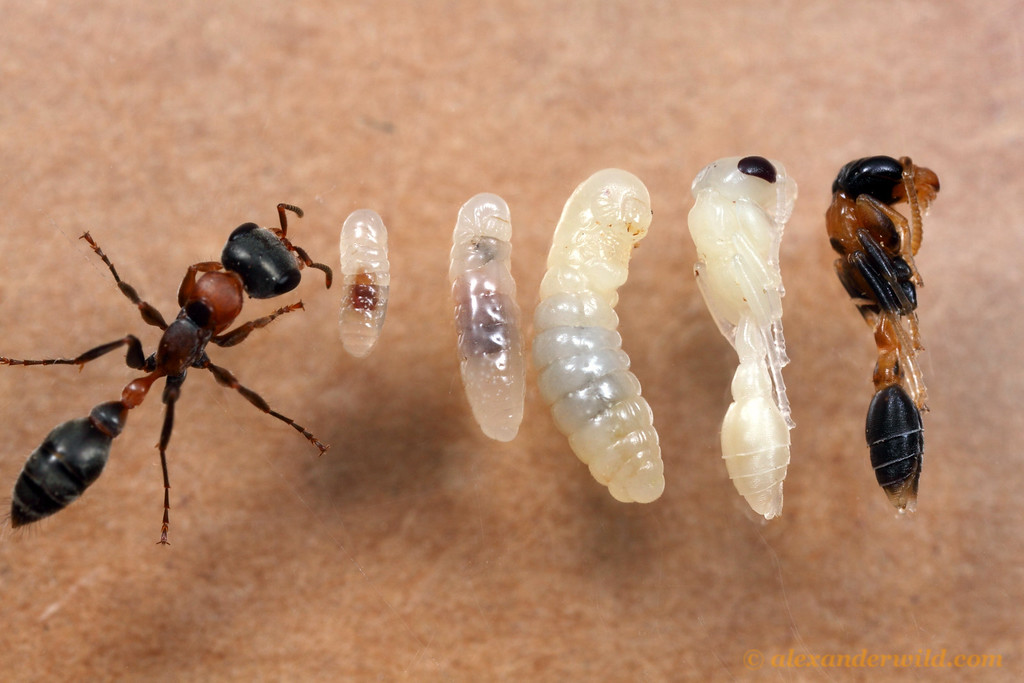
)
(877, 245)
(260, 262)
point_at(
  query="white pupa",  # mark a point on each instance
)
(582, 371)
(742, 205)
(365, 279)
(487, 317)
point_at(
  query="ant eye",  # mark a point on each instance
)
(262, 260)
(874, 176)
(759, 167)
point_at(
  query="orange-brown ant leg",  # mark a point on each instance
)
(150, 315)
(225, 378)
(188, 282)
(135, 358)
(239, 334)
(872, 213)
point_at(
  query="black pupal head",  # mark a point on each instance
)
(758, 167)
(267, 266)
(876, 177)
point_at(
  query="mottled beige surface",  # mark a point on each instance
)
(416, 548)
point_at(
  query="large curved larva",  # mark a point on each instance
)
(737, 222)
(582, 371)
(487, 316)
(365, 279)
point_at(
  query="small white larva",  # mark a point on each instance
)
(487, 316)
(582, 371)
(366, 277)
(741, 209)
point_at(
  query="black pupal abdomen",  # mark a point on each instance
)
(896, 439)
(262, 260)
(874, 176)
(70, 459)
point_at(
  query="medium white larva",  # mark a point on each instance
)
(737, 222)
(582, 371)
(487, 317)
(365, 279)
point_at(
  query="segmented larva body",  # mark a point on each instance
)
(487, 317)
(365, 279)
(582, 371)
(742, 205)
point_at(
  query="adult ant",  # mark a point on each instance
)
(260, 262)
(877, 245)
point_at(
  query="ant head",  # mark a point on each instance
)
(754, 178)
(263, 260)
(877, 177)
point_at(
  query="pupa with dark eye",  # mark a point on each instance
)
(741, 209)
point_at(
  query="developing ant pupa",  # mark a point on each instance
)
(877, 244)
(365, 279)
(737, 222)
(582, 371)
(487, 316)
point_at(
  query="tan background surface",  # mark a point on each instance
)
(416, 548)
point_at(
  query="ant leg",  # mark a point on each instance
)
(301, 253)
(890, 296)
(872, 212)
(189, 281)
(172, 390)
(135, 358)
(225, 378)
(150, 315)
(239, 334)
(879, 271)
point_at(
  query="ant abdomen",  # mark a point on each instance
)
(70, 459)
(895, 437)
